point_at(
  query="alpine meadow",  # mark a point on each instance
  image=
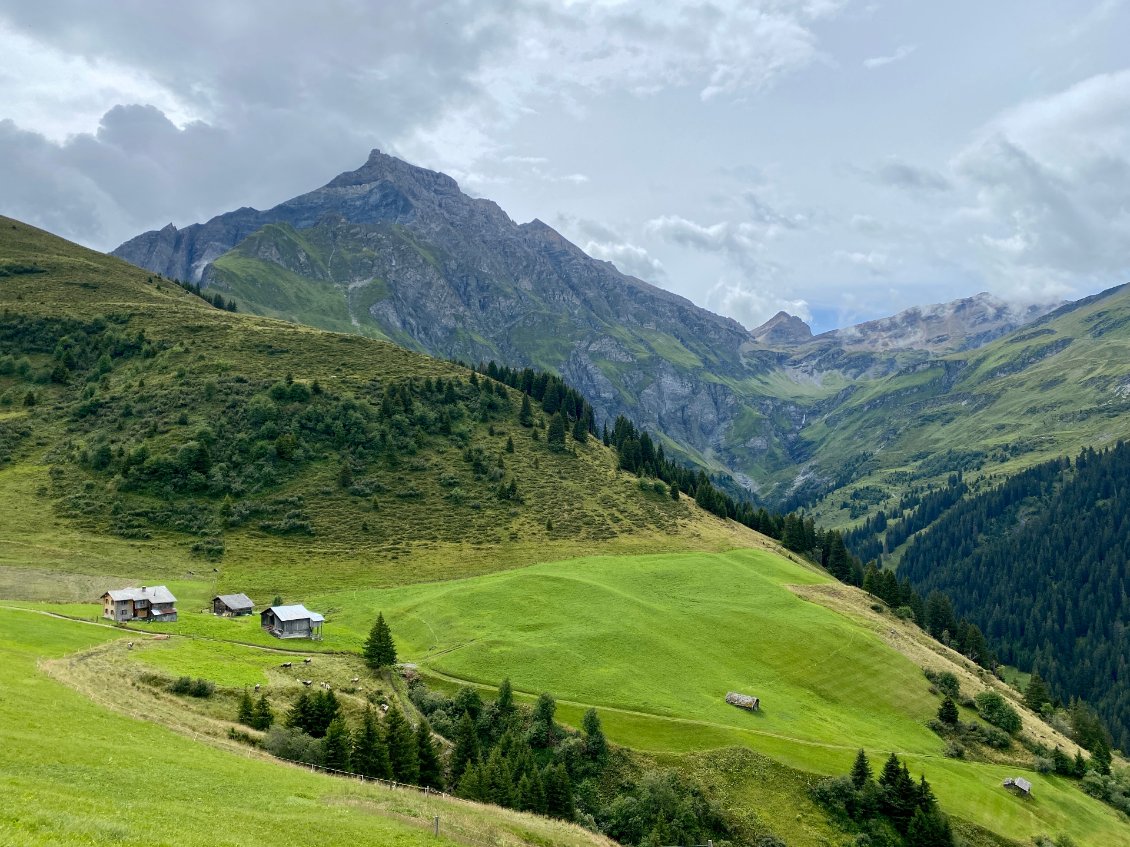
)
(766, 487)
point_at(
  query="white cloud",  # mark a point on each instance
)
(872, 261)
(629, 258)
(751, 306)
(901, 53)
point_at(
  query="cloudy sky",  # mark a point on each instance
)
(840, 160)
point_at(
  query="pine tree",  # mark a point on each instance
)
(380, 651)
(838, 564)
(558, 792)
(430, 769)
(947, 712)
(370, 754)
(336, 747)
(262, 716)
(580, 431)
(324, 707)
(555, 435)
(471, 785)
(246, 714)
(860, 770)
(1101, 758)
(466, 752)
(401, 747)
(525, 415)
(1079, 769)
(504, 703)
(543, 731)
(596, 745)
(1036, 694)
(301, 713)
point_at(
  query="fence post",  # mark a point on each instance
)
(710, 842)
(435, 825)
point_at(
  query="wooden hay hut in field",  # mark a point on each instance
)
(743, 701)
(1018, 785)
(232, 605)
(292, 622)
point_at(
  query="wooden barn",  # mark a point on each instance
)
(1019, 785)
(153, 603)
(232, 605)
(292, 622)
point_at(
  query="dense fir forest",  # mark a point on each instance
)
(1040, 563)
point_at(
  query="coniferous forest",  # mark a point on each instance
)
(1040, 564)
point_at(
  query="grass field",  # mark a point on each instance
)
(75, 773)
(654, 642)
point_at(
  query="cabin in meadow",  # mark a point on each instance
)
(1018, 785)
(153, 603)
(232, 605)
(291, 622)
(743, 701)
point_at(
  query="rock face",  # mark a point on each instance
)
(941, 328)
(397, 251)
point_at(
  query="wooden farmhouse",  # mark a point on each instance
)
(291, 622)
(232, 605)
(154, 603)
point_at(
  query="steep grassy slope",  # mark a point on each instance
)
(654, 642)
(73, 772)
(146, 434)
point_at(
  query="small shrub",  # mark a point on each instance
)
(954, 750)
(996, 711)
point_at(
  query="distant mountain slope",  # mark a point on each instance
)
(399, 252)
(135, 416)
(1041, 564)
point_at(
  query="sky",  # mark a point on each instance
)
(839, 160)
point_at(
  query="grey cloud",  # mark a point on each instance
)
(602, 242)
(894, 173)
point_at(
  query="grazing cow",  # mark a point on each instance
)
(307, 682)
(356, 679)
(256, 686)
(288, 664)
(307, 661)
(130, 645)
(384, 707)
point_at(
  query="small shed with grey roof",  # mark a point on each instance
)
(1018, 784)
(291, 622)
(232, 605)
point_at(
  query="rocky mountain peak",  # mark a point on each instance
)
(783, 329)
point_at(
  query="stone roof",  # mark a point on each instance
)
(235, 601)
(153, 593)
(295, 613)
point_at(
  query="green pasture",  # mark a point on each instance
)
(74, 773)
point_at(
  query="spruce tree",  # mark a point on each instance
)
(1036, 694)
(860, 770)
(466, 752)
(401, 747)
(947, 712)
(596, 745)
(1101, 758)
(543, 731)
(525, 415)
(380, 651)
(580, 431)
(370, 754)
(336, 747)
(839, 565)
(246, 714)
(558, 792)
(262, 716)
(1080, 767)
(430, 769)
(301, 713)
(504, 703)
(555, 435)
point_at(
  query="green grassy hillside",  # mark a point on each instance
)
(145, 433)
(73, 772)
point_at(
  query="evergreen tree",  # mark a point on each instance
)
(1036, 694)
(504, 704)
(370, 754)
(838, 564)
(555, 435)
(580, 431)
(401, 742)
(466, 751)
(793, 535)
(860, 770)
(900, 794)
(430, 769)
(596, 745)
(928, 829)
(246, 714)
(543, 731)
(1101, 758)
(336, 747)
(262, 716)
(558, 792)
(301, 713)
(947, 712)
(324, 707)
(380, 651)
(525, 415)
(471, 786)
